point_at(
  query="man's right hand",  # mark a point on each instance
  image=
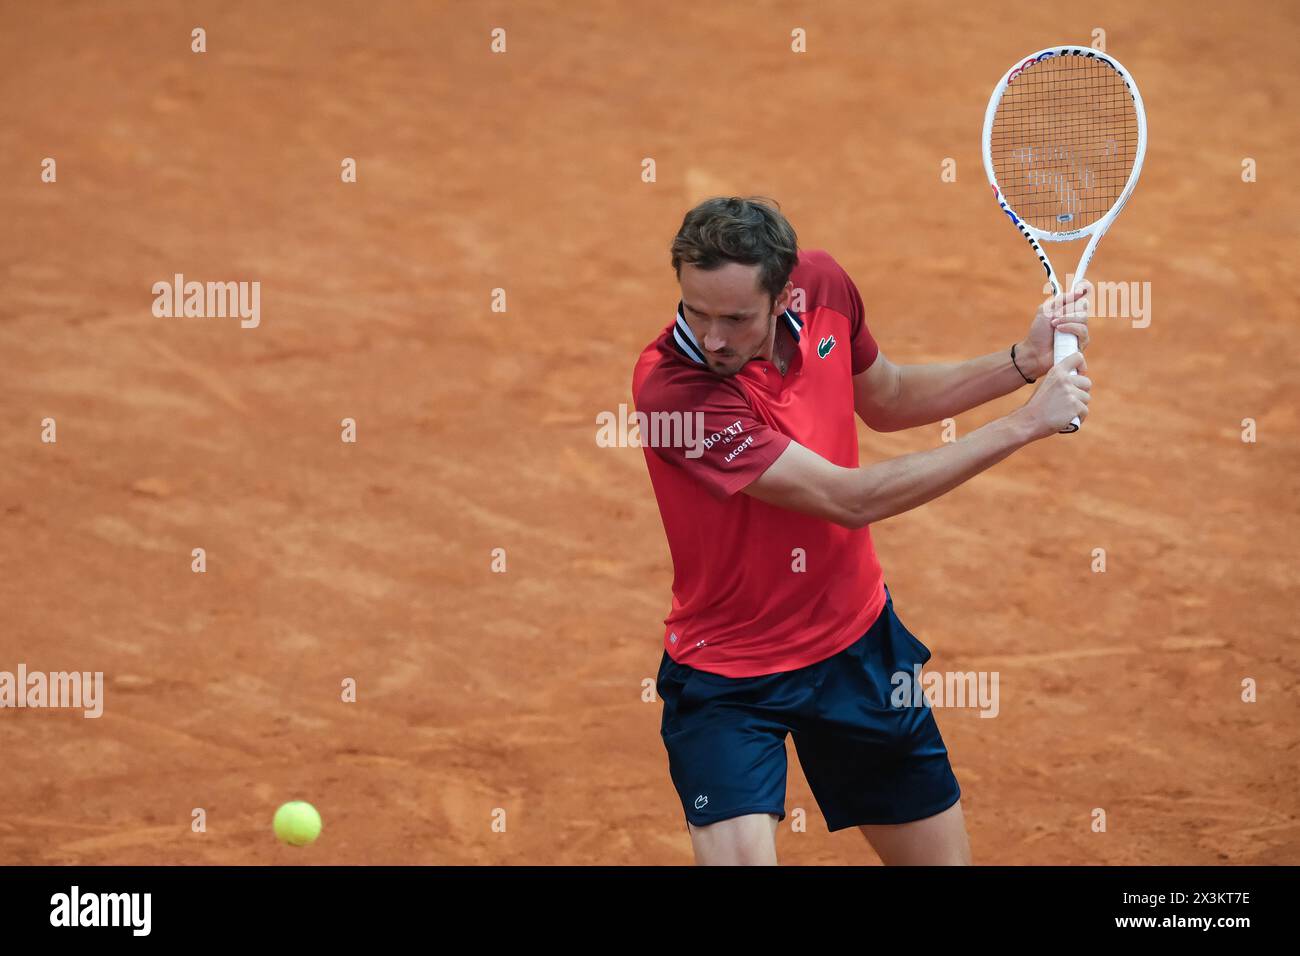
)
(1059, 397)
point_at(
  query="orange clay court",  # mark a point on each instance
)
(522, 691)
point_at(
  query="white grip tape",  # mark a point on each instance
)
(1065, 344)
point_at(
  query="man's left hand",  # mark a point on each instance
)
(1067, 312)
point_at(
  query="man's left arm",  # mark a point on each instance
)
(891, 397)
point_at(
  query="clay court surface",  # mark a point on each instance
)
(476, 430)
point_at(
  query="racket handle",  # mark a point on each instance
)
(1065, 344)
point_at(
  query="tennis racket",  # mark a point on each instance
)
(1064, 138)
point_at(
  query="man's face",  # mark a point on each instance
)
(732, 317)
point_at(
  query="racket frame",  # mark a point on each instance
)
(1063, 343)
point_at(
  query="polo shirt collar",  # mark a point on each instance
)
(685, 342)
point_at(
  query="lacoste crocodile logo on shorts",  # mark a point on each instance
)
(825, 345)
(701, 802)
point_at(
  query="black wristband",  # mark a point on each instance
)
(1022, 374)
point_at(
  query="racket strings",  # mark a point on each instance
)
(1063, 142)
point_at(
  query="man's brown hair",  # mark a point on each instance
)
(751, 231)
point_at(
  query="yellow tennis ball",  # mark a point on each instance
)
(297, 823)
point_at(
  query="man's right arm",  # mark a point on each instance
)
(803, 481)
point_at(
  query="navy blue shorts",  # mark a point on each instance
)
(866, 760)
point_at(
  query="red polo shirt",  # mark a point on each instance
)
(759, 589)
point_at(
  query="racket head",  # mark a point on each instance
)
(1064, 140)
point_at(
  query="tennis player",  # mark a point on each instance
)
(781, 622)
